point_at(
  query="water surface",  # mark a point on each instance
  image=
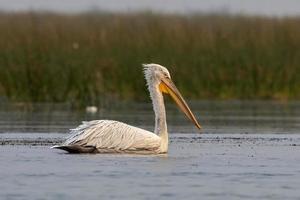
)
(254, 7)
(249, 150)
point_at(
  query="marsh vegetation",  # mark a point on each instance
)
(88, 58)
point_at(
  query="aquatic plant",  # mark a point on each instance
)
(94, 58)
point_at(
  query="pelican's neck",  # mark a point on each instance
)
(160, 115)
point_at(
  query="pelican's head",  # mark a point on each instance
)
(159, 77)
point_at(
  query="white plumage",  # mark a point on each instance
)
(114, 137)
(107, 136)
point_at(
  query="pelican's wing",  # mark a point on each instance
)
(107, 135)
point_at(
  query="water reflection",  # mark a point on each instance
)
(215, 116)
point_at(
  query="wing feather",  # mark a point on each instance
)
(113, 135)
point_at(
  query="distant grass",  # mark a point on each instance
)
(96, 57)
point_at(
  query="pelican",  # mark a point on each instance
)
(108, 136)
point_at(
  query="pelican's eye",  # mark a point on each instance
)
(166, 75)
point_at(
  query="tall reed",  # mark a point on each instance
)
(96, 57)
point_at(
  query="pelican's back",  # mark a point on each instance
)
(107, 136)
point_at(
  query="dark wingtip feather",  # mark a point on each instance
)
(76, 148)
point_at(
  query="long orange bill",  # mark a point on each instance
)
(167, 86)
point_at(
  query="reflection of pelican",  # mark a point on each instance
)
(106, 136)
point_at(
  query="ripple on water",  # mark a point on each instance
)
(211, 167)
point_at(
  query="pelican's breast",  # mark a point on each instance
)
(113, 135)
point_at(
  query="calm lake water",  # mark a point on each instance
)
(248, 150)
(254, 7)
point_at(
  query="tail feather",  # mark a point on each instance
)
(76, 148)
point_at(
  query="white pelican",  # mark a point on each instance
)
(107, 136)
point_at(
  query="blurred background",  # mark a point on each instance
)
(90, 52)
(237, 63)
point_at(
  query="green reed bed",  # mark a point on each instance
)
(89, 58)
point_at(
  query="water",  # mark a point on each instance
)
(254, 7)
(249, 150)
